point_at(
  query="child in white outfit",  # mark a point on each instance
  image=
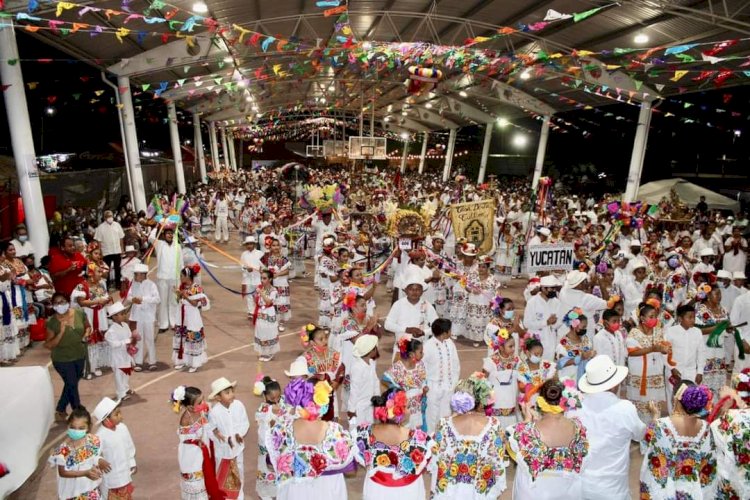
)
(229, 424)
(440, 358)
(118, 450)
(120, 339)
(144, 297)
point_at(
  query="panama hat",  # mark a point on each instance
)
(575, 278)
(364, 345)
(298, 368)
(739, 275)
(707, 252)
(601, 375)
(140, 268)
(104, 409)
(550, 282)
(115, 308)
(250, 239)
(219, 385)
(544, 231)
(724, 275)
(413, 278)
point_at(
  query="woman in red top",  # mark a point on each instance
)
(65, 266)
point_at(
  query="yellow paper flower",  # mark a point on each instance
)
(503, 333)
(383, 460)
(322, 393)
(442, 484)
(454, 470)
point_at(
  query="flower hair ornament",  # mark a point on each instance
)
(394, 409)
(497, 305)
(349, 300)
(603, 266)
(572, 318)
(259, 387)
(741, 383)
(305, 332)
(654, 302)
(571, 396)
(613, 300)
(482, 389)
(91, 267)
(499, 339)
(403, 346)
(696, 399)
(462, 402)
(311, 401)
(702, 291)
(177, 397)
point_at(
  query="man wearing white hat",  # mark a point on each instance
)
(439, 287)
(144, 297)
(251, 266)
(542, 316)
(120, 338)
(228, 425)
(636, 257)
(110, 236)
(611, 424)
(541, 237)
(741, 314)
(126, 267)
(574, 294)
(634, 287)
(117, 449)
(706, 264)
(364, 381)
(728, 292)
(411, 315)
(169, 263)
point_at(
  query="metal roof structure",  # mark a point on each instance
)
(278, 61)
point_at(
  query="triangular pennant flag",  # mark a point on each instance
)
(580, 16)
(145, 87)
(678, 75)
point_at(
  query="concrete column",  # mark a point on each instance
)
(200, 156)
(174, 137)
(214, 143)
(424, 151)
(131, 144)
(485, 152)
(224, 148)
(404, 155)
(541, 152)
(639, 152)
(449, 155)
(241, 159)
(232, 151)
(22, 141)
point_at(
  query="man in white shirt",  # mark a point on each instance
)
(412, 315)
(573, 295)
(687, 346)
(364, 381)
(110, 236)
(611, 424)
(443, 369)
(221, 212)
(251, 266)
(729, 292)
(21, 242)
(542, 316)
(542, 236)
(144, 295)
(636, 257)
(168, 254)
(741, 314)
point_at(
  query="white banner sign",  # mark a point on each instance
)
(558, 257)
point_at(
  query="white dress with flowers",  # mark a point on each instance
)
(266, 418)
(190, 459)
(503, 375)
(82, 458)
(731, 435)
(677, 467)
(405, 462)
(715, 368)
(307, 472)
(478, 313)
(468, 467)
(645, 380)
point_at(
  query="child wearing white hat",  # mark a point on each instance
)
(118, 450)
(127, 266)
(144, 297)
(120, 339)
(228, 424)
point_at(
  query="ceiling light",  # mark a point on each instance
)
(641, 38)
(525, 75)
(323, 99)
(228, 59)
(200, 8)
(502, 122)
(404, 135)
(331, 88)
(387, 119)
(404, 113)
(463, 94)
(519, 140)
(428, 105)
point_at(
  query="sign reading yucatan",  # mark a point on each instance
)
(473, 221)
(558, 257)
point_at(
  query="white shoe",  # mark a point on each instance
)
(179, 367)
(192, 369)
(281, 328)
(98, 373)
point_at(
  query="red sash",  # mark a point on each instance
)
(385, 479)
(209, 471)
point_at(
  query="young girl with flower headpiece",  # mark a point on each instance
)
(279, 267)
(341, 303)
(575, 348)
(481, 288)
(504, 317)
(189, 340)
(710, 318)
(307, 454)
(501, 369)
(533, 369)
(549, 450)
(469, 459)
(323, 363)
(679, 460)
(394, 454)
(272, 409)
(408, 374)
(92, 297)
(197, 468)
(265, 319)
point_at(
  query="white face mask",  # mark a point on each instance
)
(723, 284)
(23, 238)
(535, 359)
(61, 308)
(109, 220)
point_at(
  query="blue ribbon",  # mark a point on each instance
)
(207, 269)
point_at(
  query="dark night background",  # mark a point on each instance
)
(674, 147)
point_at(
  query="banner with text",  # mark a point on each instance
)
(557, 257)
(473, 221)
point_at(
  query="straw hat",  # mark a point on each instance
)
(298, 368)
(364, 345)
(413, 278)
(250, 239)
(104, 409)
(550, 282)
(140, 268)
(115, 308)
(601, 375)
(575, 278)
(219, 385)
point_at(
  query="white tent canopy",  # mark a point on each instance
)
(689, 193)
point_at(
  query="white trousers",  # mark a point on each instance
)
(146, 330)
(438, 406)
(168, 302)
(222, 229)
(122, 382)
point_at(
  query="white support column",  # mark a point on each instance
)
(214, 143)
(131, 143)
(241, 150)
(232, 151)
(404, 156)
(224, 148)
(485, 152)
(639, 152)
(449, 155)
(424, 151)
(174, 137)
(22, 141)
(200, 156)
(541, 152)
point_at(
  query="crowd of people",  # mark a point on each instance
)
(643, 338)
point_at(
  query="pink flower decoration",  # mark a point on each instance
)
(284, 463)
(342, 449)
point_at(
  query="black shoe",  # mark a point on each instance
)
(162, 330)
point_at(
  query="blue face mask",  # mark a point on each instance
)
(509, 314)
(76, 434)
